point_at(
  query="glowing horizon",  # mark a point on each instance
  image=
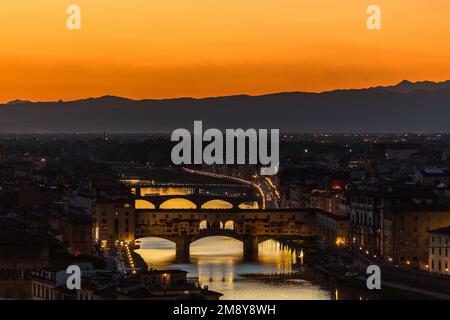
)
(180, 48)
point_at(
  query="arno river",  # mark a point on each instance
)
(217, 263)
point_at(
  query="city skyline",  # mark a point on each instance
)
(117, 208)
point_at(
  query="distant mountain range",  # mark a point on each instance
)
(405, 107)
(407, 86)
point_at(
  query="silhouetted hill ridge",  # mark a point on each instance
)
(406, 106)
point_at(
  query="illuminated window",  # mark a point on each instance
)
(229, 225)
(203, 225)
(166, 191)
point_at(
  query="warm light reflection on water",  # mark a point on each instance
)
(218, 263)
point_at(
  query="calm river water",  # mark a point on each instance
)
(217, 263)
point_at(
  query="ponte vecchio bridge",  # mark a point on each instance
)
(250, 226)
(188, 205)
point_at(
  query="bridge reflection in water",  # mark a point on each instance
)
(159, 253)
(218, 263)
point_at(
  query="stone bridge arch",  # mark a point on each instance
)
(217, 204)
(171, 239)
(248, 205)
(178, 203)
(193, 202)
(183, 242)
(144, 204)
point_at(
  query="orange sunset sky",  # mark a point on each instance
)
(173, 48)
